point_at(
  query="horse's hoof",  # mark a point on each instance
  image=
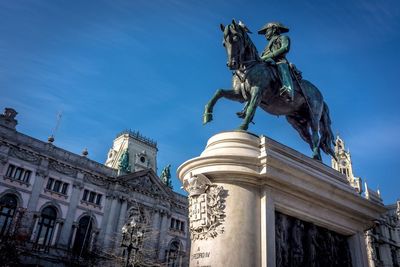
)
(243, 128)
(317, 157)
(207, 117)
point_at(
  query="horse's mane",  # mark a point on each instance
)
(251, 48)
(253, 52)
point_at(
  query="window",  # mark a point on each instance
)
(83, 236)
(10, 170)
(45, 226)
(57, 186)
(92, 197)
(64, 188)
(177, 225)
(85, 194)
(8, 206)
(50, 183)
(18, 173)
(98, 199)
(174, 254)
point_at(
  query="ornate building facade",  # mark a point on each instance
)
(57, 207)
(383, 240)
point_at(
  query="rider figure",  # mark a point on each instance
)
(276, 50)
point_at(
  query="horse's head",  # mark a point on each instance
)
(235, 42)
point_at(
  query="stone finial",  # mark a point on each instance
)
(7, 119)
(373, 195)
(85, 152)
(51, 139)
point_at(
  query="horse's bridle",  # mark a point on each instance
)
(243, 66)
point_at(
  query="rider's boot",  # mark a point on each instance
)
(287, 90)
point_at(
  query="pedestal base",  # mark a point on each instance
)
(240, 182)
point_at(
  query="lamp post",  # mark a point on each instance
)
(132, 237)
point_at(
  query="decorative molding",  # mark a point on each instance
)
(57, 166)
(55, 194)
(3, 159)
(206, 207)
(24, 155)
(42, 173)
(145, 184)
(77, 184)
(20, 182)
(95, 180)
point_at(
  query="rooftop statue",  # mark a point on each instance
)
(270, 82)
(166, 176)
(123, 163)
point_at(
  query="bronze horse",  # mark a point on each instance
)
(257, 83)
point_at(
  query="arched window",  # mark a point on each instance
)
(45, 226)
(8, 206)
(174, 254)
(83, 236)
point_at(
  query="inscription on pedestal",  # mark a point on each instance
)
(200, 256)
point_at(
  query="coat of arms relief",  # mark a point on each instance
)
(206, 207)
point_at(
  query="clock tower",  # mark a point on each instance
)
(140, 152)
(344, 165)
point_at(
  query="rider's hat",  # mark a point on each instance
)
(282, 28)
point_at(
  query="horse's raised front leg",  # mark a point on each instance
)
(229, 94)
(251, 107)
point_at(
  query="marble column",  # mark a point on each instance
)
(74, 228)
(35, 225)
(55, 233)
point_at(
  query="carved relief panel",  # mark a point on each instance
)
(206, 207)
(303, 244)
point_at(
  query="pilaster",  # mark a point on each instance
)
(111, 221)
(37, 189)
(69, 219)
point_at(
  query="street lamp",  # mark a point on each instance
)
(132, 239)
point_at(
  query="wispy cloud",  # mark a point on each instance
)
(379, 138)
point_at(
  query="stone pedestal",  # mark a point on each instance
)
(240, 182)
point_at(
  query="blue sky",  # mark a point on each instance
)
(152, 66)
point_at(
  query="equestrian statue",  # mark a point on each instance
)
(269, 81)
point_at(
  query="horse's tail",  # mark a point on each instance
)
(327, 138)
